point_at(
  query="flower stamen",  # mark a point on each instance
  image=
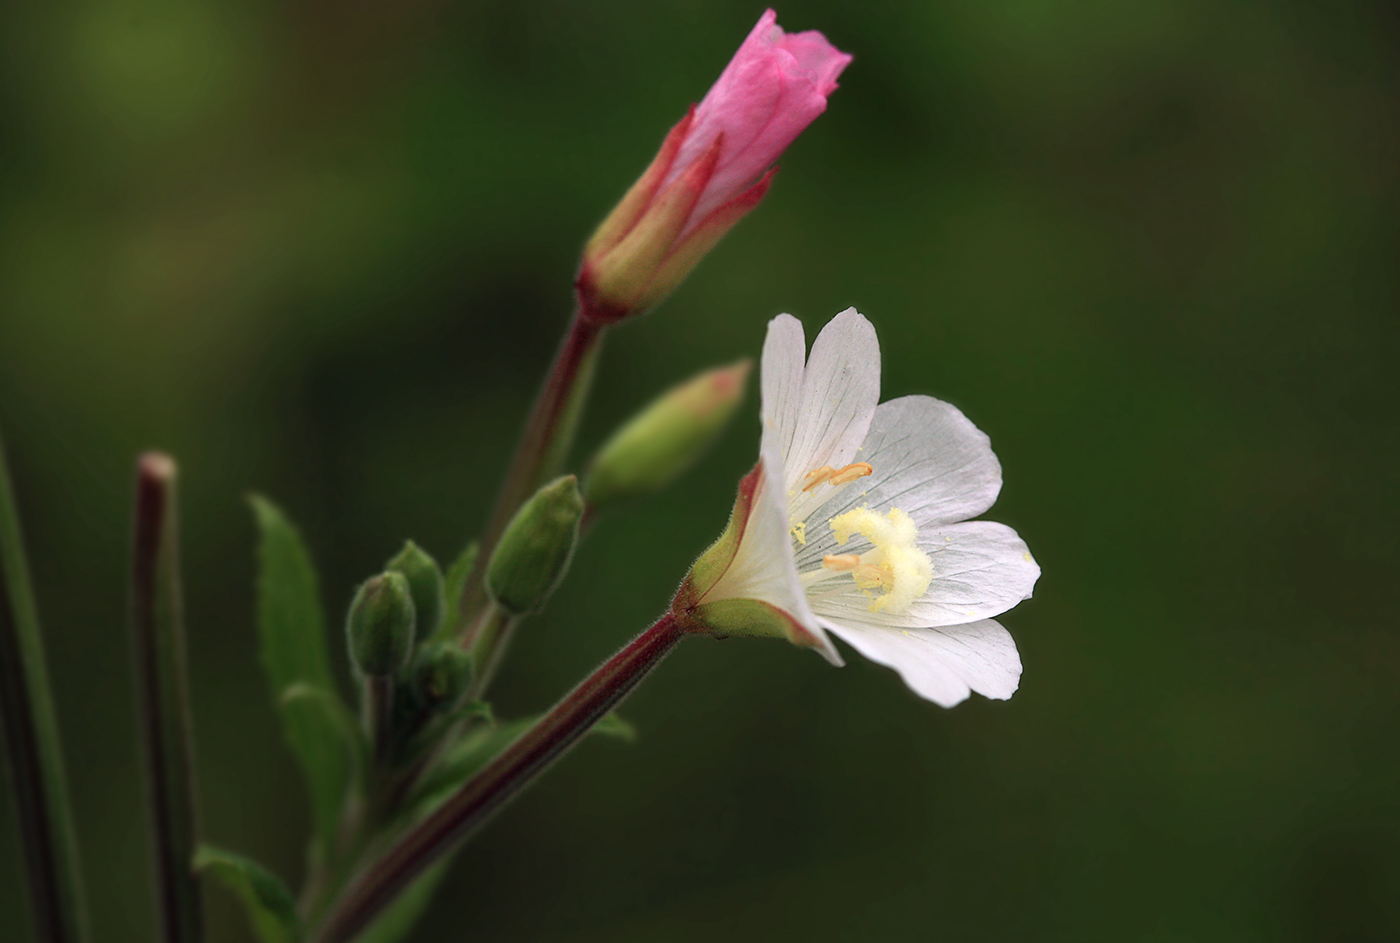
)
(816, 476)
(836, 476)
(897, 565)
(850, 473)
(841, 561)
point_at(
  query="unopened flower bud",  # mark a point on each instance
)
(424, 585)
(712, 169)
(534, 552)
(442, 672)
(380, 626)
(666, 438)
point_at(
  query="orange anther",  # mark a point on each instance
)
(850, 473)
(817, 476)
(841, 561)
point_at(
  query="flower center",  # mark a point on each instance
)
(896, 567)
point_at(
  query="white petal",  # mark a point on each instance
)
(784, 354)
(929, 461)
(942, 665)
(980, 569)
(763, 567)
(840, 389)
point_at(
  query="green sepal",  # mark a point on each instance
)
(379, 629)
(749, 617)
(534, 553)
(712, 564)
(442, 672)
(657, 445)
(425, 585)
(291, 627)
(269, 905)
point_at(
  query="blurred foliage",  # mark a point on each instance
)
(322, 250)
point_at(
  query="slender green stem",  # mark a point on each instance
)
(541, 451)
(36, 756)
(504, 777)
(379, 717)
(158, 631)
(494, 647)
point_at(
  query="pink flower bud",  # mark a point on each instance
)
(713, 167)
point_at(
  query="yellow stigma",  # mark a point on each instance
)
(897, 566)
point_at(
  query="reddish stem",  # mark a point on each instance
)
(541, 451)
(500, 780)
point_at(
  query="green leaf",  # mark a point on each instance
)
(614, 726)
(294, 655)
(341, 751)
(271, 909)
(455, 584)
(403, 914)
(290, 619)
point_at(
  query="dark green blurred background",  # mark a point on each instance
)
(323, 250)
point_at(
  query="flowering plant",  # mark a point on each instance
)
(857, 523)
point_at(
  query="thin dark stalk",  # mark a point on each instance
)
(46, 831)
(379, 717)
(504, 777)
(158, 631)
(541, 451)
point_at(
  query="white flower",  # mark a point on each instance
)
(856, 522)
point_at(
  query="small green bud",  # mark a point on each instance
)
(442, 673)
(535, 549)
(424, 584)
(667, 437)
(380, 626)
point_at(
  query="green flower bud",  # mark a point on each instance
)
(441, 673)
(425, 585)
(380, 626)
(535, 549)
(667, 437)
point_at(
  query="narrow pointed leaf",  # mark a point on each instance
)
(45, 826)
(292, 628)
(455, 586)
(269, 905)
(337, 752)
